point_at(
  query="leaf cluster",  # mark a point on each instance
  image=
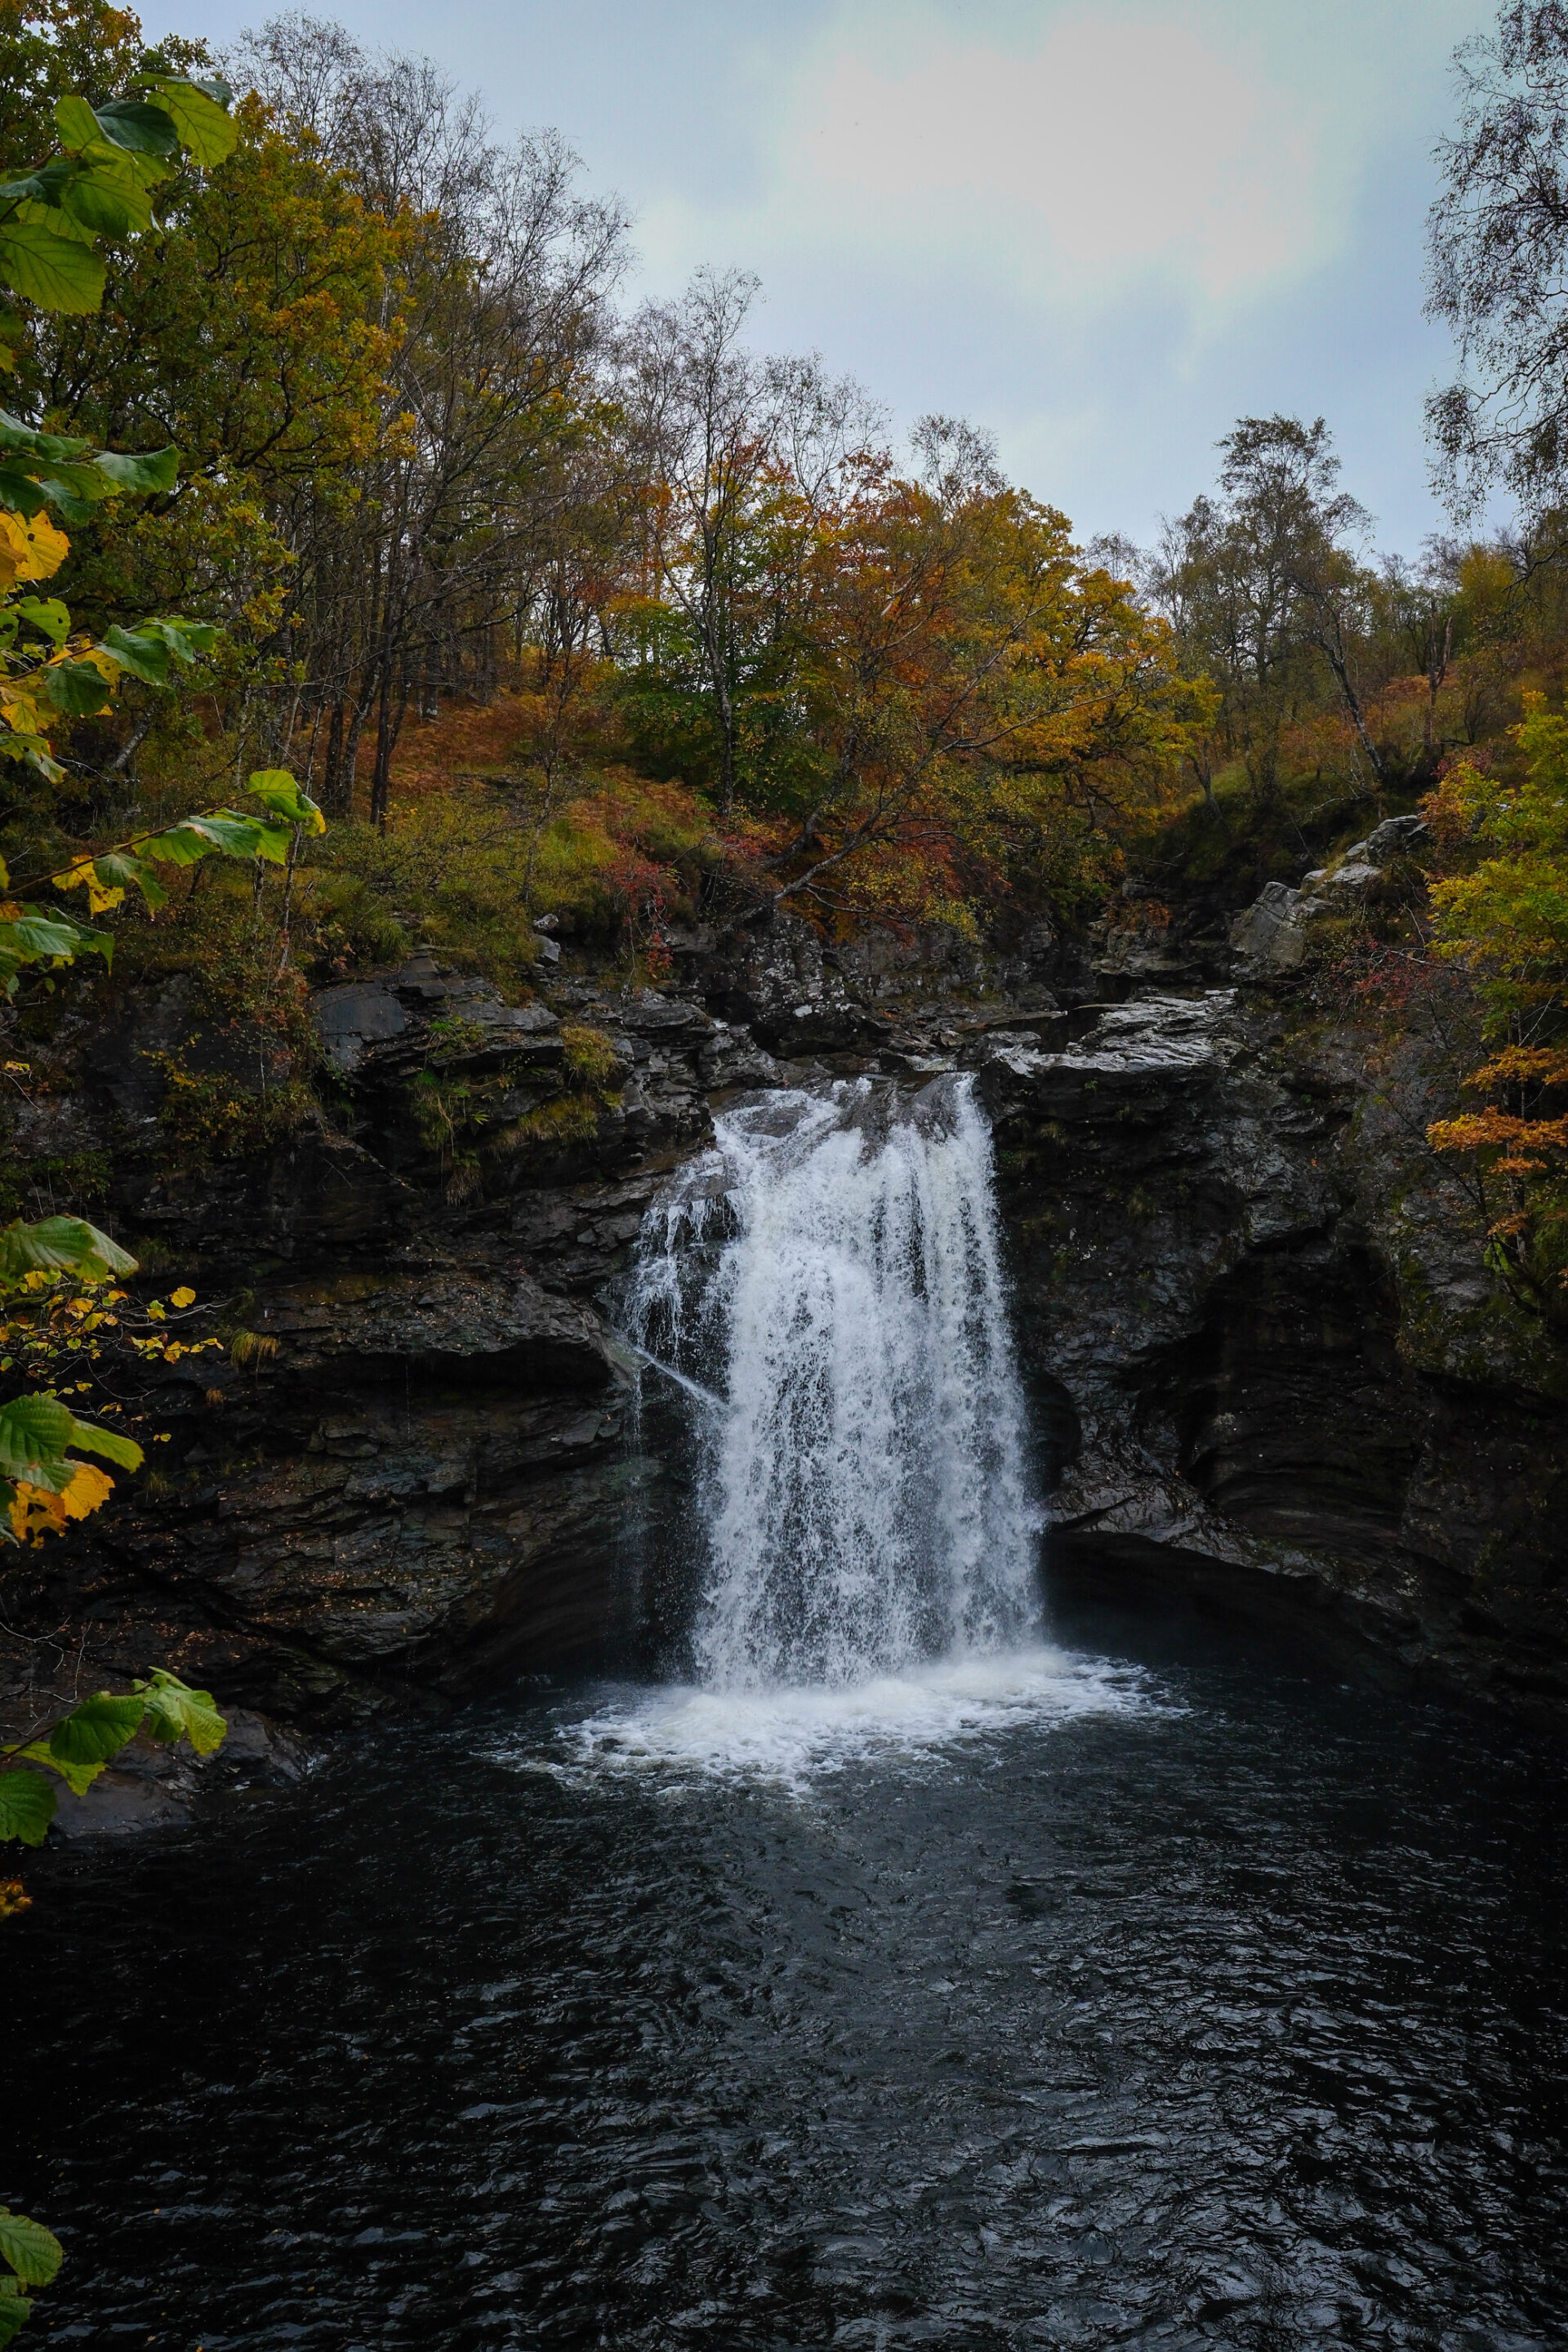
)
(84, 1741)
(103, 181)
(1503, 914)
(32, 2256)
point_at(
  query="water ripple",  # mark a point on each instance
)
(1223, 2009)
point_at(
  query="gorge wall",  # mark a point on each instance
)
(1268, 1366)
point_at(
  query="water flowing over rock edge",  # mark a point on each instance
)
(825, 1289)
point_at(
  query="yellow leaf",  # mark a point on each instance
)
(183, 1296)
(30, 550)
(19, 708)
(101, 894)
(88, 1491)
(36, 1513)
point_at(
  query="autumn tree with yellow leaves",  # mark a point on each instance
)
(1503, 914)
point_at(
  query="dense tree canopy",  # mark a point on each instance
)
(565, 608)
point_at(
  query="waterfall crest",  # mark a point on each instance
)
(827, 1285)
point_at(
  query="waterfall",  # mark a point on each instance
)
(824, 1287)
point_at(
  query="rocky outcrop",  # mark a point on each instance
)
(1264, 1345)
(1267, 1361)
(412, 1481)
(1270, 938)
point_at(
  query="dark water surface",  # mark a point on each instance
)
(1236, 2022)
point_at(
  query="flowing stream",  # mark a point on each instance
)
(911, 1971)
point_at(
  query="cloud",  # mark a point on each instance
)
(1105, 227)
(1106, 150)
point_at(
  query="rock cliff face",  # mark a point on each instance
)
(1268, 1358)
(1267, 1363)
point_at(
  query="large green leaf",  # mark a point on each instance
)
(27, 1804)
(51, 1477)
(93, 1438)
(78, 1778)
(158, 470)
(63, 1245)
(54, 271)
(144, 656)
(135, 177)
(76, 122)
(34, 1433)
(97, 1730)
(77, 478)
(175, 1710)
(49, 213)
(189, 639)
(77, 688)
(40, 932)
(124, 868)
(179, 846)
(204, 125)
(237, 835)
(279, 791)
(150, 169)
(48, 614)
(146, 130)
(101, 205)
(68, 508)
(52, 176)
(15, 435)
(19, 492)
(15, 2310)
(33, 2253)
(42, 935)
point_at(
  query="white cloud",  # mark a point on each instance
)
(1105, 227)
(1108, 148)
(1118, 144)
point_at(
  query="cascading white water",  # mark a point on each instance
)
(827, 1285)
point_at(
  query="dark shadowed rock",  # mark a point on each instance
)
(1264, 1343)
(316, 1191)
(448, 1325)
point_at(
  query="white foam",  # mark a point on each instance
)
(863, 1493)
(793, 1736)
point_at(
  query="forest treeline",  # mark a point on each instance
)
(563, 605)
(427, 454)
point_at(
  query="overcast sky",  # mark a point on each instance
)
(1104, 230)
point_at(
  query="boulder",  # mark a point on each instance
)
(399, 1023)
(1270, 936)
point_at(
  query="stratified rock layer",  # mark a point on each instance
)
(1265, 1344)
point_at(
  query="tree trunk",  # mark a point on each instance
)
(335, 799)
